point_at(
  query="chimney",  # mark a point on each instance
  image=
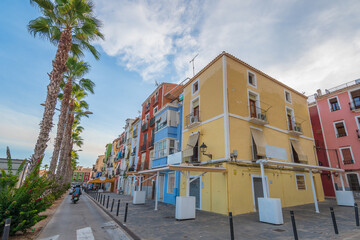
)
(318, 92)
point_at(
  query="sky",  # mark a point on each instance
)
(304, 44)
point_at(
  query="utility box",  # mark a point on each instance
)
(345, 198)
(185, 208)
(270, 210)
(139, 197)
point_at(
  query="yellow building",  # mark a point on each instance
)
(234, 115)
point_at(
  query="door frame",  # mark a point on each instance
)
(192, 177)
(252, 185)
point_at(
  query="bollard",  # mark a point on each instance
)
(334, 220)
(104, 201)
(126, 210)
(6, 230)
(231, 226)
(117, 210)
(356, 215)
(107, 203)
(100, 198)
(112, 205)
(294, 225)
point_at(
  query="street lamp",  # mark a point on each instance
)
(203, 149)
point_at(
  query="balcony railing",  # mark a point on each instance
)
(341, 135)
(152, 121)
(144, 127)
(147, 107)
(192, 119)
(143, 147)
(151, 143)
(156, 100)
(354, 106)
(295, 128)
(258, 116)
(346, 162)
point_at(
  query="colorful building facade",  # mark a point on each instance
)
(235, 115)
(337, 113)
(81, 175)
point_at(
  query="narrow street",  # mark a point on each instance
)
(83, 220)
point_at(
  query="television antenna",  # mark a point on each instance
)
(192, 60)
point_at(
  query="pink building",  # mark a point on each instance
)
(339, 113)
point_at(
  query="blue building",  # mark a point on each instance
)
(168, 138)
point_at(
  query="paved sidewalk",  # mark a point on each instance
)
(161, 224)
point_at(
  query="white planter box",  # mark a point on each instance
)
(139, 197)
(185, 208)
(270, 210)
(345, 198)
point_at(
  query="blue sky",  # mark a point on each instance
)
(305, 44)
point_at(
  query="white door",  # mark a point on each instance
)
(161, 188)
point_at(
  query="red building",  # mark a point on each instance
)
(160, 97)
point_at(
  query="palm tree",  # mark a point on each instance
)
(75, 71)
(71, 26)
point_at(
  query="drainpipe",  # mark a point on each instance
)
(263, 178)
(342, 182)
(187, 183)
(314, 192)
(156, 190)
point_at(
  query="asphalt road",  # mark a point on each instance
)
(83, 220)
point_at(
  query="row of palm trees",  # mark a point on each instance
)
(71, 26)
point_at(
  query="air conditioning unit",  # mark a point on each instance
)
(262, 116)
(192, 119)
(297, 129)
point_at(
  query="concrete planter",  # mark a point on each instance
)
(345, 198)
(139, 197)
(185, 208)
(270, 210)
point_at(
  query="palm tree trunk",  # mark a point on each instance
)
(60, 126)
(67, 158)
(56, 75)
(65, 142)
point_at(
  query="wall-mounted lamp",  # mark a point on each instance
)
(233, 155)
(203, 149)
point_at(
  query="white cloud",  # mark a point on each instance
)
(298, 42)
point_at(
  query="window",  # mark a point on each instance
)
(355, 99)
(340, 129)
(353, 181)
(161, 121)
(288, 96)
(346, 155)
(251, 78)
(171, 183)
(195, 110)
(253, 104)
(155, 110)
(195, 87)
(300, 181)
(290, 118)
(162, 148)
(334, 104)
(172, 146)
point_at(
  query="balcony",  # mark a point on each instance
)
(152, 121)
(258, 116)
(192, 120)
(160, 162)
(156, 100)
(151, 143)
(346, 162)
(147, 107)
(295, 129)
(341, 135)
(135, 134)
(354, 106)
(143, 147)
(144, 127)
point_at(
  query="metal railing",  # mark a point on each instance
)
(296, 127)
(258, 114)
(152, 121)
(354, 105)
(147, 107)
(143, 147)
(192, 118)
(341, 135)
(348, 162)
(144, 127)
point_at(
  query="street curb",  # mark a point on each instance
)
(125, 228)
